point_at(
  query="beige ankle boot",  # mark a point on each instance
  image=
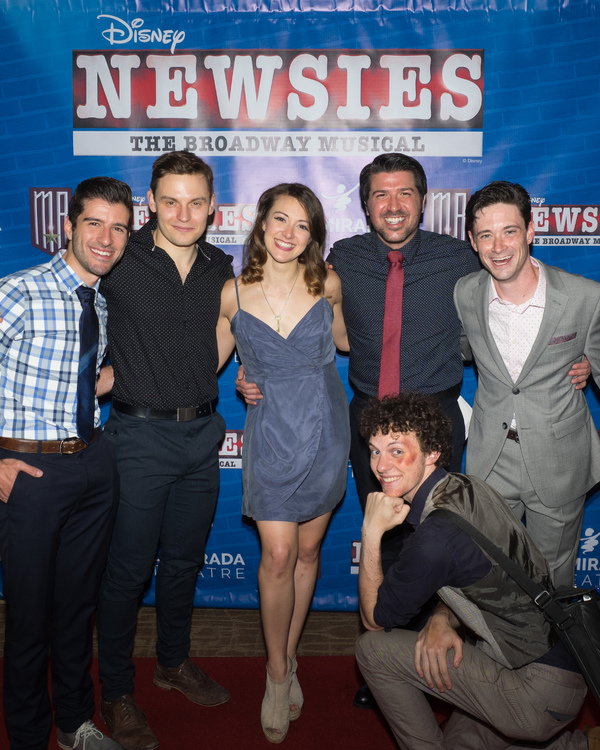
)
(275, 711)
(296, 696)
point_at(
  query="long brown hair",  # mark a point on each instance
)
(255, 251)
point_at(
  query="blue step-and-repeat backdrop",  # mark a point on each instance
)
(309, 91)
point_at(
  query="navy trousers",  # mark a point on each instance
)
(169, 486)
(54, 537)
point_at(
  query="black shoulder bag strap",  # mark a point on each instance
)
(540, 596)
(574, 614)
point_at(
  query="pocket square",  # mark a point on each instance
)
(562, 339)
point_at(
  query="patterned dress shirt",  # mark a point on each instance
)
(39, 351)
(430, 355)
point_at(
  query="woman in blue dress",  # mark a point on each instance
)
(284, 315)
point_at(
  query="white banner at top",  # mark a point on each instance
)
(284, 143)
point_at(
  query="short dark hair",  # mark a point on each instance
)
(410, 412)
(181, 162)
(498, 191)
(105, 188)
(255, 251)
(392, 163)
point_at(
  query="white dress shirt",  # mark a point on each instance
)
(515, 327)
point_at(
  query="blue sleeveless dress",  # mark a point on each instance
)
(297, 437)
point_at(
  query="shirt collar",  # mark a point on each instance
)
(538, 299)
(409, 250)
(151, 225)
(420, 498)
(66, 275)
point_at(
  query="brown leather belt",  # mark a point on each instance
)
(513, 435)
(66, 446)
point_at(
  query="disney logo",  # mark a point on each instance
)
(120, 32)
(141, 199)
(538, 201)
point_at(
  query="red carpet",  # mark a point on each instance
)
(329, 720)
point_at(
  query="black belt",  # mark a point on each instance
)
(449, 393)
(183, 414)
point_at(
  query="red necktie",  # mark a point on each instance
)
(389, 373)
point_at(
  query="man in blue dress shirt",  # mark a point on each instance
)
(58, 478)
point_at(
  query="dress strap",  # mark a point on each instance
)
(237, 294)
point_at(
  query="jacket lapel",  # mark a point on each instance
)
(482, 308)
(554, 309)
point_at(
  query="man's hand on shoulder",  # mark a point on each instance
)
(106, 380)
(580, 372)
(432, 646)
(9, 468)
(250, 391)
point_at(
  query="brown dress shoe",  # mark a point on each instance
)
(127, 724)
(194, 683)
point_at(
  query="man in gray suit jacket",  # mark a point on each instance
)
(525, 324)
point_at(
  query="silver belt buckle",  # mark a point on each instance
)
(186, 413)
(66, 442)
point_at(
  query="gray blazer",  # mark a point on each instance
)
(560, 444)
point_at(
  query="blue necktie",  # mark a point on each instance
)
(88, 352)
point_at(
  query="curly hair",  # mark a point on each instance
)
(255, 251)
(410, 412)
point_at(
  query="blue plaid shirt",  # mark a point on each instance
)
(39, 351)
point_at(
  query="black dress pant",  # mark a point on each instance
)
(54, 537)
(169, 488)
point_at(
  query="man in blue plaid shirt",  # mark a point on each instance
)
(59, 486)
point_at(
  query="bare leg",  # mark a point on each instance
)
(286, 580)
(279, 552)
(310, 536)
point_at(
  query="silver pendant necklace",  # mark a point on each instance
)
(275, 315)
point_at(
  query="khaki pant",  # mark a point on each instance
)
(497, 707)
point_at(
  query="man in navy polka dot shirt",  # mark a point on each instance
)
(393, 189)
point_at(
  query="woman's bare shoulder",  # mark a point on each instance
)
(228, 298)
